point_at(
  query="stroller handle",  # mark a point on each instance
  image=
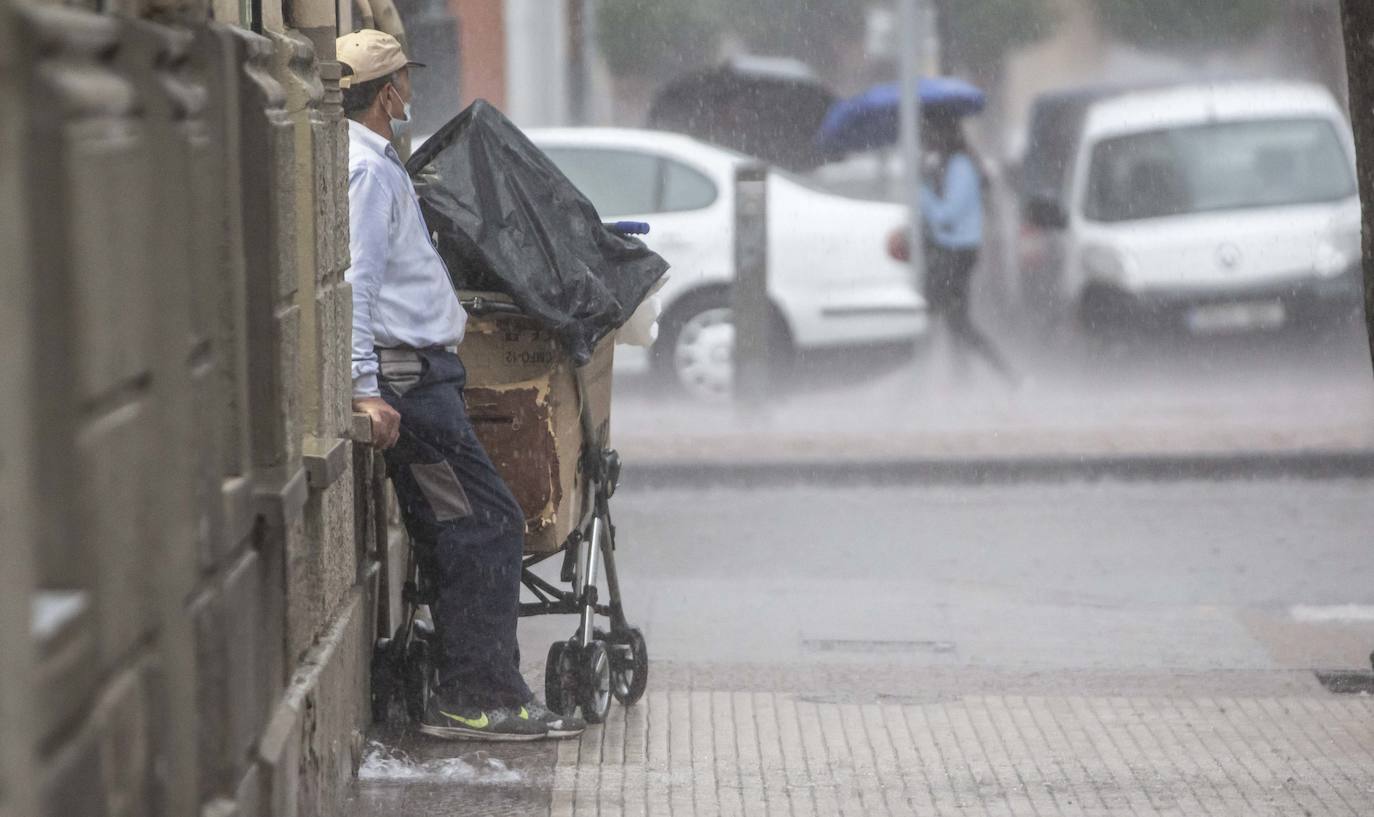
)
(485, 306)
(629, 227)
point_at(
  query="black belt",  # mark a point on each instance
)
(392, 354)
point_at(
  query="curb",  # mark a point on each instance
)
(1312, 465)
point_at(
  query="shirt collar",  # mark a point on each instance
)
(358, 132)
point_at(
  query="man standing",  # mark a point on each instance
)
(407, 324)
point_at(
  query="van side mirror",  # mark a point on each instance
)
(1046, 213)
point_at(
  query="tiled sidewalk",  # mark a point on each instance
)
(706, 753)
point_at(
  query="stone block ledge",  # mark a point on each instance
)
(326, 460)
(281, 501)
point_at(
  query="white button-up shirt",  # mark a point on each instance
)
(402, 293)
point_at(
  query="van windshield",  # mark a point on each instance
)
(1221, 166)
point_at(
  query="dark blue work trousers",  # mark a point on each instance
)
(467, 525)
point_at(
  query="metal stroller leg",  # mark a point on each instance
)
(590, 552)
(628, 652)
(402, 665)
(618, 621)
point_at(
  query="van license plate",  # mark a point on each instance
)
(1239, 317)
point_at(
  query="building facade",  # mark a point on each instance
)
(192, 540)
(530, 58)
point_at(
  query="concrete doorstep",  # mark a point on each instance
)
(1312, 464)
(1046, 454)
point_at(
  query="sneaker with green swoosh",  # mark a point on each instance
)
(558, 726)
(444, 720)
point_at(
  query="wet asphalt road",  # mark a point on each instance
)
(1102, 576)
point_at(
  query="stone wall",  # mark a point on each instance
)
(193, 543)
(17, 533)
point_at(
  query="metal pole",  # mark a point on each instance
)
(591, 51)
(911, 40)
(751, 312)
(577, 61)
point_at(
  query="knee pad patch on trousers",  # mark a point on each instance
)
(443, 490)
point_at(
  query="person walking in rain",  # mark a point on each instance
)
(952, 208)
(467, 527)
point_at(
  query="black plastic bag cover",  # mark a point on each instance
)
(507, 220)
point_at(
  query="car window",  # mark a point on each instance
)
(618, 182)
(685, 188)
(1222, 166)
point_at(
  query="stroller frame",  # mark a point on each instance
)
(584, 672)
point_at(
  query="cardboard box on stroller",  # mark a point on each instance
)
(523, 399)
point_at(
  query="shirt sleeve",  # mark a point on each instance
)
(962, 193)
(369, 243)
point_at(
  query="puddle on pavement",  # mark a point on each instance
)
(386, 764)
(404, 774)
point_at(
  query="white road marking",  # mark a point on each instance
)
(1333, 612)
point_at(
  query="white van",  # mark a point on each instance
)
(1215, 208)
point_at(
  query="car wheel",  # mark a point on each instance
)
(695, 350)
(1099, 316)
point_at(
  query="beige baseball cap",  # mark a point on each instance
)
(371, 54)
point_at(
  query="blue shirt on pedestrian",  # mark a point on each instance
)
(402, 293)
(955, 216)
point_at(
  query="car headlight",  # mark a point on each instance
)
(1104, 265)
(1338, 251)
(1331, 261)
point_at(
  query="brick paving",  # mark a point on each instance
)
(707, 753)
(723, 740)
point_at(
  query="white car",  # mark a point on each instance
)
(1213, 208)
(830, 279)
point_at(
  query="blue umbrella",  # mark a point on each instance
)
(870, 120)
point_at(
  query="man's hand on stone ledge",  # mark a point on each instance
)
(386, 421)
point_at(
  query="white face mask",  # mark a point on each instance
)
(399, 125)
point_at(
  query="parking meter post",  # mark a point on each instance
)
(912, 43)
(580, 44)
(749, 304)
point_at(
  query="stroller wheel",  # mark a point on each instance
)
(560, 678)
(383, 680)
(418, 673)
(594, 682)
(629, 666)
